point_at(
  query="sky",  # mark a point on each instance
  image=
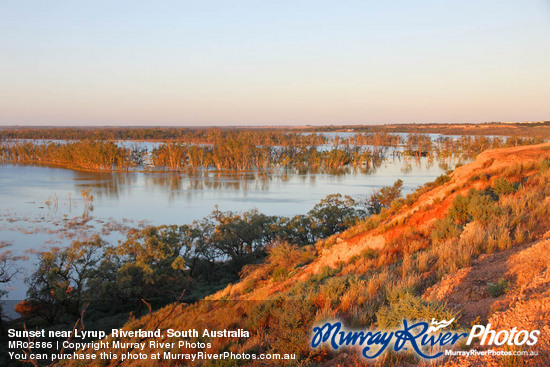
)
(221, 62)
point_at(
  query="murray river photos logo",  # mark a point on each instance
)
(426, 340)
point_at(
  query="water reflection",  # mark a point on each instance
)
(112, 186)
(162, 196)
(44, 206)
(108, 184)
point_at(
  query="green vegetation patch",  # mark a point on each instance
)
(411, 307)
(498, 288)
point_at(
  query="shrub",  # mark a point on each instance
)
(477, 205)
(444, 229)
(452, 255)
(284, 255)
(248, 286)
(409, 283)
(498, 288)
(371, 223)
(410, 307)
(475, 238)
(280, 274)
(412, 198)
(334, 289)
(482, 207)
(378, 282)
(442, 179)
(362, 316)
(369, 253)
(425, 261)
(520, 235)
(290, 315)
(459, 210)
(397, 204)
(502, 186)
(326, 272)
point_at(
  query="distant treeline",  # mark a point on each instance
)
(468, 147)
(202, 134)
(281, 137)
(539, 129)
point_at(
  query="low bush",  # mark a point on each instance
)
(442, 179)
(280, 274)
(410, 307)
(502, 186)
(444, 229)
(478, 205)
(498, 288)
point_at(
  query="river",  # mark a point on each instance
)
(43, 206)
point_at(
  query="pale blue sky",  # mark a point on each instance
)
(273, 62)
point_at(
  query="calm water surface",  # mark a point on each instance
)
(42, 207)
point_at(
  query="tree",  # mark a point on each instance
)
(384, 197)
(7, 265)
(298, 230)
(7, 271)
(240, 236)
(151, 264)
(59, 284)
(333, 214)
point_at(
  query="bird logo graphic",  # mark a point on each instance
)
(439, 325)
